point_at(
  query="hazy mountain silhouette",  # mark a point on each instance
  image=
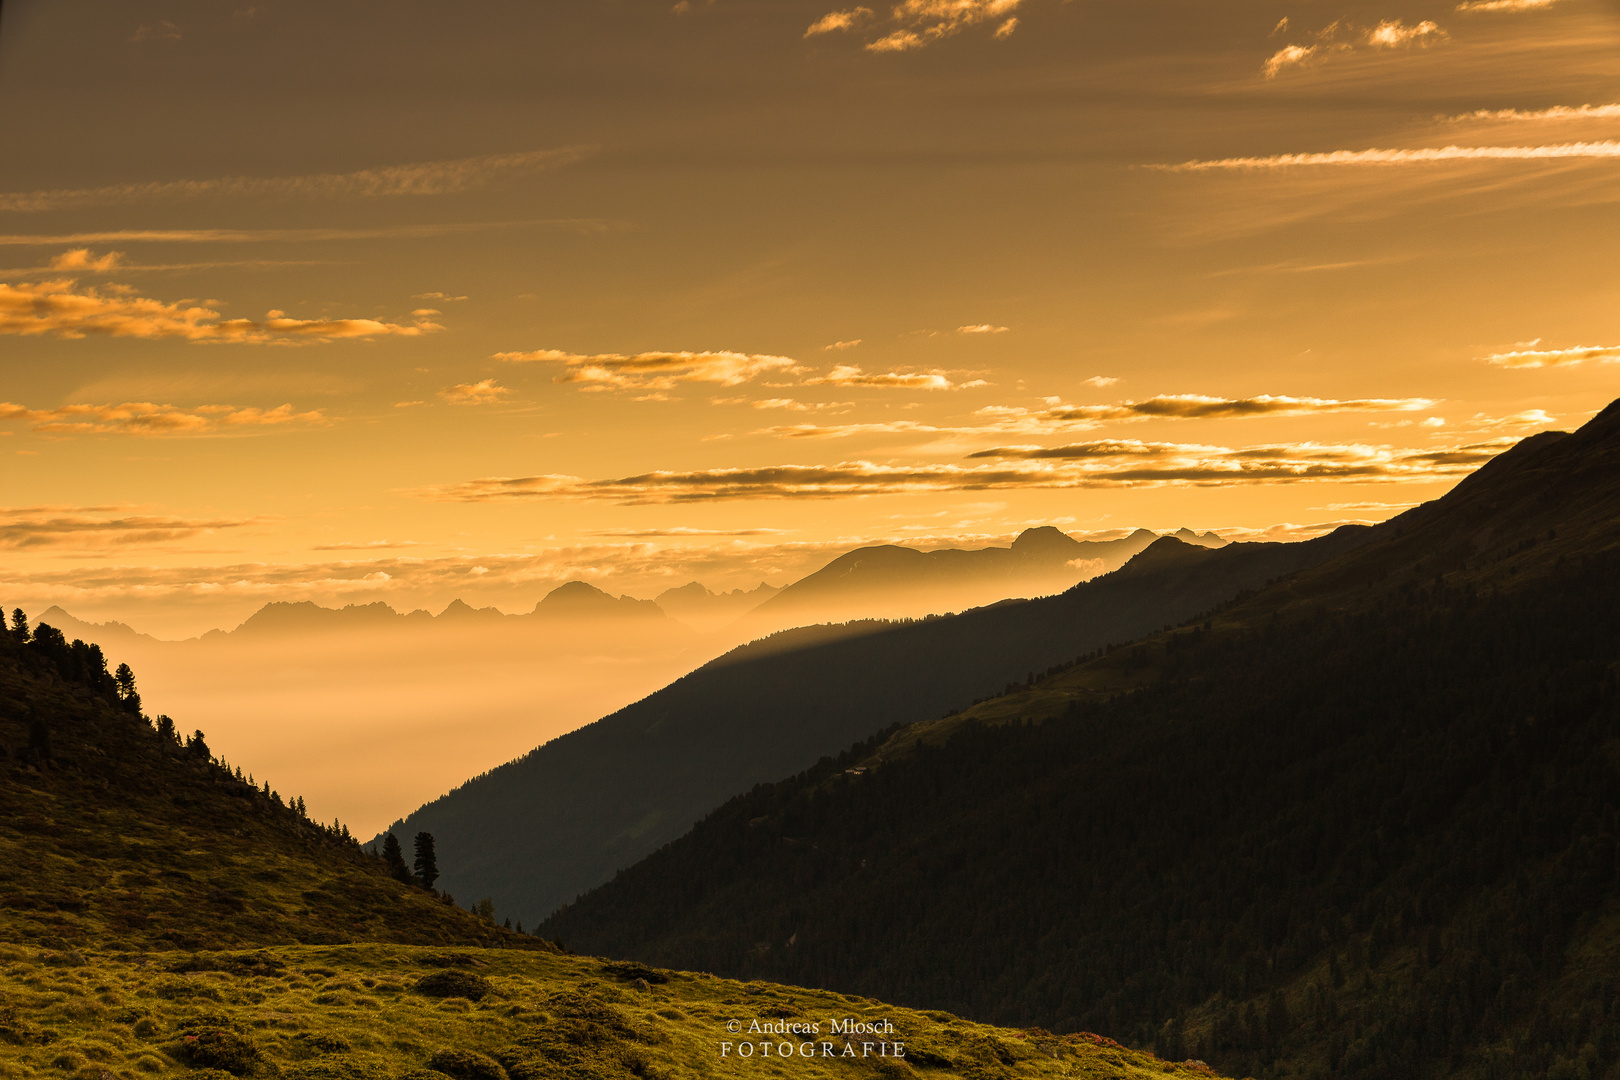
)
(893, 581)
(539, 830)
(697, 607)
(1360, 824)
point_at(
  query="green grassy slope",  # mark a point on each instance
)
(377, 1012)
(1359, 824)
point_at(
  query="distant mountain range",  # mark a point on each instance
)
(891, 581)
(1361, 823)
(576, 601)
(416, 702)
(537, 831)
(704, 611)
(885, 581)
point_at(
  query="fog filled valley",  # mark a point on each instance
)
(366, 712)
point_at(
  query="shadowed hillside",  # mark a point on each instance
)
(159, 917)
(116, 834)
(536, 832)
(1360, 824)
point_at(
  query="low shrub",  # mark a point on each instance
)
(453, 983)
(218, 1048)
(466, 1065)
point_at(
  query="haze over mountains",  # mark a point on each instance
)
(536, 831)
(408, 704)
(1361, 823)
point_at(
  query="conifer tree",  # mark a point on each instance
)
(19, 624)
(427, 862)
(394, 858)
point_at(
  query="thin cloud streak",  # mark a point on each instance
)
(1557, 112)
(418, 178)
(292, 236)
(1604, 149)
(482, 392)
(1058, 416)
(1547, 358)
(82, 531)
(655, 370)
(848, 375)
(147, 418)
(928, 21)
(1114, 464)
(59, 308)
(1506, 5)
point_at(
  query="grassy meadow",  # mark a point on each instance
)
(363, 1011)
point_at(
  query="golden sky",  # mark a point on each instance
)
(355, 301)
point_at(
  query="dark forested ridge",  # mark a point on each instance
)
(1361, 824)
(117, 832)
(538, 831)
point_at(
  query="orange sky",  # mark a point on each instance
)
(352, 302)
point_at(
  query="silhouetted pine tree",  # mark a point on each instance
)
(125, 678)
(395, 860)
(427, 863)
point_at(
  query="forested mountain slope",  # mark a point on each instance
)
(536, 832)
(1361, 824)
(116, 834)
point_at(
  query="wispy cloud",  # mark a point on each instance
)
(1343, 37)
(840, 431)
(1204, 407)
(790, 405)
(1112, 464)
(848, 375)
(368, 545)
(681, 533)
(918, 23)
(146, 418)
(418, 178)
(981, 328)
(439, 296)
(655, 370)
(1506, 5)
(1546, 358)
(1607, 148)
(1525, 418)
(482, 392)
(1058, 416)
(840, 346)
(59, 307)
(83, 259)
(287, 236)
(101, 527)
(1394, 34)
(1557, 112)
(839, 20)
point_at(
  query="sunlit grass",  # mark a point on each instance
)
(359, 1011)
